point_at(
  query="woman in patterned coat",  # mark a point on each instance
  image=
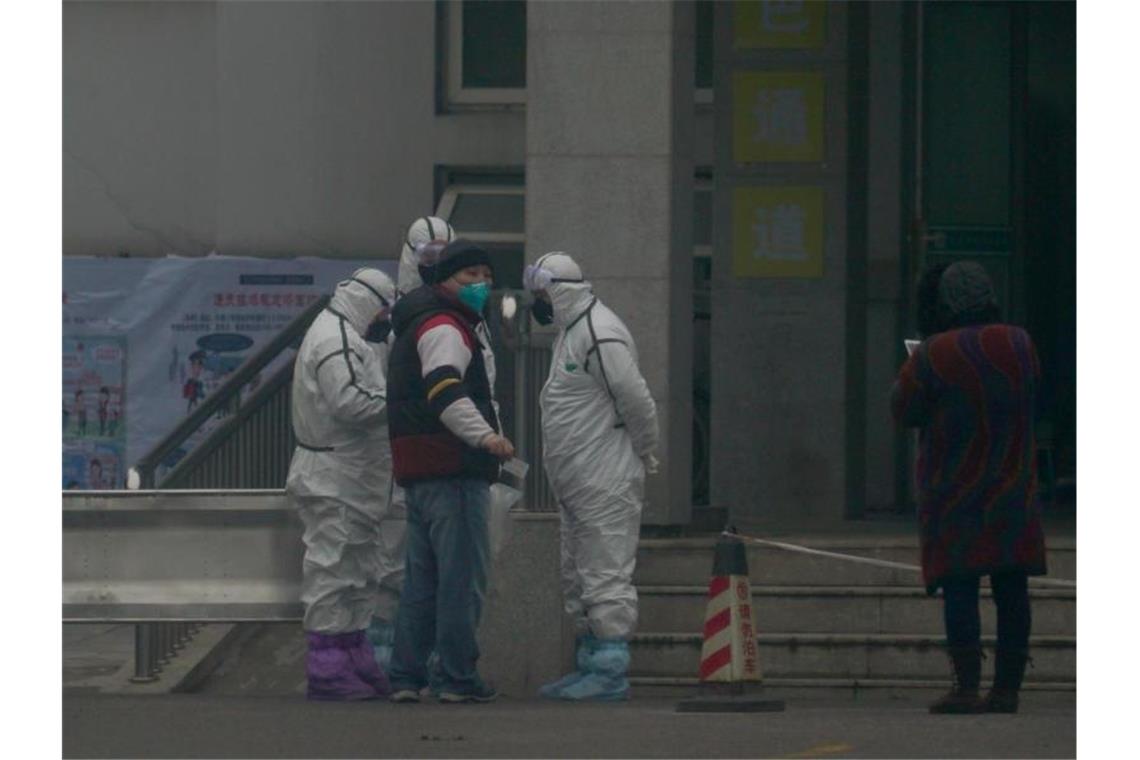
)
(970, 389)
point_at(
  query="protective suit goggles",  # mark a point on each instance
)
(537, 278)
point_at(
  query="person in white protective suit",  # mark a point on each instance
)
(340, 480)
(424, 230)
(599, 435)
(414, 269)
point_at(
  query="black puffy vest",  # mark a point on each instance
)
(422, 446)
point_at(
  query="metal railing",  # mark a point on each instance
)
(532, 364)
(226, 400)
(252, 449)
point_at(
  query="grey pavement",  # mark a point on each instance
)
(104, 715)
(193, 725)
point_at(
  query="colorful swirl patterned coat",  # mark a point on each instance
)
(971, 392)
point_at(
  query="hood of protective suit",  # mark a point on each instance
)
(421, 231)
(569, 299)
(362, 296)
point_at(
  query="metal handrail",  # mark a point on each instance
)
(183, 472)
(226, 396)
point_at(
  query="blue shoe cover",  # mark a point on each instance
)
(585, 644)
(606, 678)
(382, 635)
(553, 690)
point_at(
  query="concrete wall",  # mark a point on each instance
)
(525, 639)
(258, 128)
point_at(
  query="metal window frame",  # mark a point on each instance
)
(451, 195)
(457, 94)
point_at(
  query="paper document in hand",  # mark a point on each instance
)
(517, 467)
(911, 345)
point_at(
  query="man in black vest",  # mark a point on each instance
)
(446, 450)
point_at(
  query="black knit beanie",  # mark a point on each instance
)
(459, 254)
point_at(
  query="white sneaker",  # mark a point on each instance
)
(404, 696)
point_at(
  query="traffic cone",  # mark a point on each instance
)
(729, 657)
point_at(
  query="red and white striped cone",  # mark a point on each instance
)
(729, 651)
(729, 657)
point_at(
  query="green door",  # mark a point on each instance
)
(994, 175)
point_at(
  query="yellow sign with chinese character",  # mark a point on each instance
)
(777, 116)
(779, 24)
(777, 232)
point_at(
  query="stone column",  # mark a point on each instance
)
(781, 264)
(609, 175)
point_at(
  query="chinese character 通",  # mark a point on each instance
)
(781, 117)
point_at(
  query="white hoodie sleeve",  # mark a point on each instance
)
(443, 346)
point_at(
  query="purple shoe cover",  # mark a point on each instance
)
(331, 669)
(364, 659)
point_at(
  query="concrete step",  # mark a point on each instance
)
(843, 609)
(682, 561)
(854, 656)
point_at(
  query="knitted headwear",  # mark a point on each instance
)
(459, 254)
(965, 294)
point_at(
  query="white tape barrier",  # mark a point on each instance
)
(1033, 581)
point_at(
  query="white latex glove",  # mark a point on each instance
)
(508, 307)
(652, 466)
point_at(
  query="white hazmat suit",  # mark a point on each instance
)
(599, 422)
(341, 474)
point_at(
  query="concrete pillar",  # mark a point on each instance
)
(609, 174)
(888, 276)
(780, 273)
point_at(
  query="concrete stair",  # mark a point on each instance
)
(824, 623)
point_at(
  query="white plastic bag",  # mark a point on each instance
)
(503, 498)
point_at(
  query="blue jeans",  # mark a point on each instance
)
(444, 584)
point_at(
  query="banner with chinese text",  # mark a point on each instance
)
(145, 340)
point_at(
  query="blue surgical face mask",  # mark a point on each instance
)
(475, 295)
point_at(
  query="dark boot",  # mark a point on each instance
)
(963, 695)
(1009, 670)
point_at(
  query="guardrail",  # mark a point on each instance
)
(226, 400)
(180, 556)
(168, 561)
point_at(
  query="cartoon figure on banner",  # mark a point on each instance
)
(79, 409)
(116, 412)
(216, 356)
(194, 389)
(104, 404)
(95, 475)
